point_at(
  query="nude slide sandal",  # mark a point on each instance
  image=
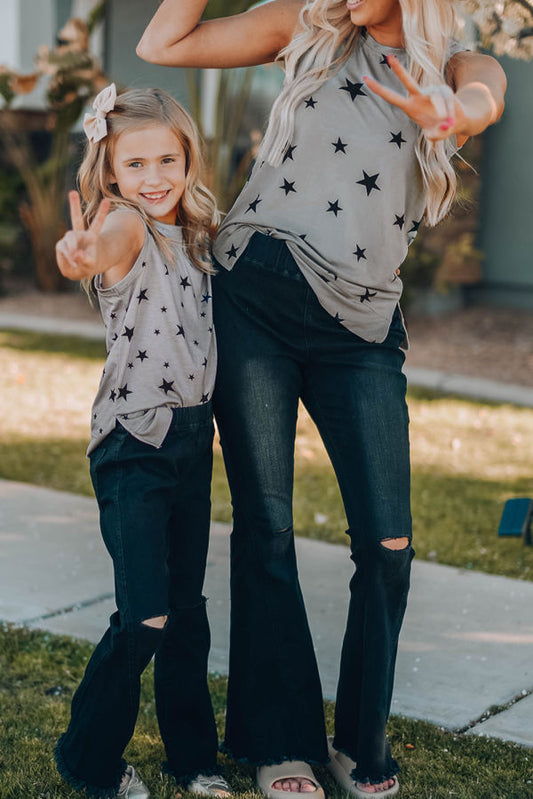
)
(291, 769)
(341, 766)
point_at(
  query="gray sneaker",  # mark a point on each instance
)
(132, 787)
(210, 785)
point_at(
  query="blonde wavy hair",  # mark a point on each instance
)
(326, 40)
(197, 211)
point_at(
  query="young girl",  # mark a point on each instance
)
(356, 154)
(146, 253)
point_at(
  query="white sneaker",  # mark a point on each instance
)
(210, 785)
(132, 787)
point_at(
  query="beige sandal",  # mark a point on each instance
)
(290, 770)
(341, 766)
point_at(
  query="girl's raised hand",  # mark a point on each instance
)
(77, 253)
(435, 108)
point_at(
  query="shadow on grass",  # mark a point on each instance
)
(40, 671)
(73, 346)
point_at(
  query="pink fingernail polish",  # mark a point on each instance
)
(450, 120)
(445, 127)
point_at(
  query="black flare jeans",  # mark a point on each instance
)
(277, 345)
(154, 517)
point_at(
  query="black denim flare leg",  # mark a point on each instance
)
(276, 345)
(154, 516)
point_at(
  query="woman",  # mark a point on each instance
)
(376, 97)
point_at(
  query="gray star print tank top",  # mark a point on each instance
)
(160, 343)
(348, 197)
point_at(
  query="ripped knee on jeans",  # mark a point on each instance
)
(393, 543)
(158, 622)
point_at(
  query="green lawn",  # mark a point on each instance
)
(468, 457)
(40, 671)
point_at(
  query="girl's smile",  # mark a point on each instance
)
(148, 166)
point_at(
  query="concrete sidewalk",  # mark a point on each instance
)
(463, 385)
(466, 646)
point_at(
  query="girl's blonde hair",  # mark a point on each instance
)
(197, 212)
(325, 41)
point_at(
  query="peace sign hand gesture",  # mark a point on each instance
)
(435, 109)
(78, 252)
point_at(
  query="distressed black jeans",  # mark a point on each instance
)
(154, 517)
(277, 345)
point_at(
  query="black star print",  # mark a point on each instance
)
(142, 355)
(185, 282)
(366, 297)
(196, 343)
(142, 296)
(95, 415)
(289, 152)
(112, 397)
(115, 336)
(303, 236)
(415, 227)
(113, 316)
(203, 314)
(400, 221)
(128, 332)
(157, 332)
(124, 391)
(130, 365)
(204, 362)
(310, 103)
(143, 264)
(334, 207)
(232, 252)
(340, 146)
(206, 297)
(288, 187)
(191, 377)
(338, 318)
(369, 182)
(166, 269)
(253, 206)
(166, 364)
(209, 329)
(360, 253)
(355, 89)
(167, 386)
(164, 309)
(397, 138)
(180, 331)
(385, 61)
(205, 398)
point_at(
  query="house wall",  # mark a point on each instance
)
(506, 202)
(126, 22)
(25, 25)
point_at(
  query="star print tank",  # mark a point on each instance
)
(160, 342)
(348, 197)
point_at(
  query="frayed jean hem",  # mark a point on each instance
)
(80, 784)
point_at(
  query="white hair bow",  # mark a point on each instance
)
(95, 125)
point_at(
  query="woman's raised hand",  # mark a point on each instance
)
(77, 252)
(435, 109)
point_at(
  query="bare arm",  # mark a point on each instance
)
(479, 83)
(176, 36)
(109, 246)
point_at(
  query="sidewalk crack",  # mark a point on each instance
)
(494, 710)
(85, 603)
